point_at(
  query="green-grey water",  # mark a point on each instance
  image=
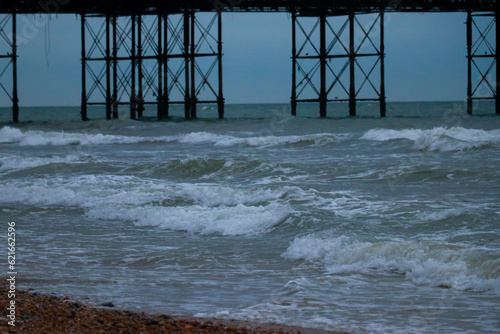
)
(359, 224)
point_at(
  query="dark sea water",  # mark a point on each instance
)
(360, 224)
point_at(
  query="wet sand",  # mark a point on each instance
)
(42, 313)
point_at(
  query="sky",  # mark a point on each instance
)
(425, 59)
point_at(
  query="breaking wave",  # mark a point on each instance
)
(433, 263)
(440, 138)
(197, 208)
(43, 138)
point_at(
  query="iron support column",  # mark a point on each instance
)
(322, 51)
(382, 67)
(187, 99)
(220, 97)
(108, 69)
(133, 97)
(352, 59)
(15, 98)
(165, 66)
(294, 67)
(193, 72)
(160, 69)
(469, 63)
(140, 98)
(83, 112)
(497, 58)
(115, 70)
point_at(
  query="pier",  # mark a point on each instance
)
(153, 52)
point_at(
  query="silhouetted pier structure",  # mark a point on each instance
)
(335, 58)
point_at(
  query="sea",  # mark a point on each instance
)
(361, 224)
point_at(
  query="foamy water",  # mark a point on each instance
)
(439, 138)
(359, 224)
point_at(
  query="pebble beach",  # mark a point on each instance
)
(49, 314)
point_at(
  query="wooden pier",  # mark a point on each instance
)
(184, 54)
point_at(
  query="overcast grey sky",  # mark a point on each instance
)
(425, 59)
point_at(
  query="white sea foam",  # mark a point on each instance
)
(434, 263)
(196, 208)
(439, 138)
(43, 138)
(10, 135)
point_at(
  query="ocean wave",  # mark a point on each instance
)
(440, 138)
(196, 208)
(441, 215)
(433, 263)
(201, 167)
(225, 220)
(16, 162)
(206, 168)
(262, 141)
(259, 171)
(9, 135)
(341, 203)
(52, 138)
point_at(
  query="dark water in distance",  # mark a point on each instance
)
(377, 225)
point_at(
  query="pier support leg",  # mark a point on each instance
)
(133, 51)
(322, 56)
(192, 61)
(310, 54)
(352, 59)
(83, 112)
(98, 68)
(140, 74)
(187, 99)
(482, 58)
(160, 113)
(497, 57)
(115, 70)
(220, 97)
(108, 68)
(293, 98)
(15, 98)
(192, 69)
(8, 35)
(382, 66)
(469, 63)
(165, 66)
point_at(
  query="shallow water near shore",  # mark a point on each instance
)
(358, 224)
